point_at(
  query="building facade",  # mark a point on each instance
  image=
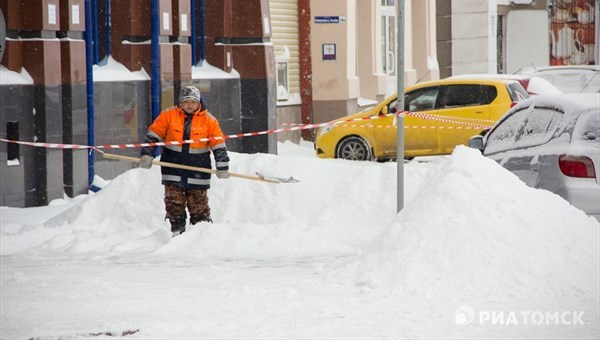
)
(503, 36)
(221, 46)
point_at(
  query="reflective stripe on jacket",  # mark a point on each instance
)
(173, 124)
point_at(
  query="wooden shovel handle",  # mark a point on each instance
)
(187, 167)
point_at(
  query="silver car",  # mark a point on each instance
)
(568, 78)
(553, 143)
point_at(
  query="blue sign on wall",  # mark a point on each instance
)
(330, 20)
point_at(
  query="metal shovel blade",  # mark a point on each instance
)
(277, 179)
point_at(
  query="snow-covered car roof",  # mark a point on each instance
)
(565, 102)
(532, 84)
(532, 69)
(568, 78)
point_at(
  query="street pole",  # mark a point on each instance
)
(400, 106)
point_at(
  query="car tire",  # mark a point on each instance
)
(354, 148)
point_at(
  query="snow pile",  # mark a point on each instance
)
(332, 210)
(475, 229)
(283, 260)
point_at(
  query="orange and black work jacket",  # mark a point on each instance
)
(173, 124)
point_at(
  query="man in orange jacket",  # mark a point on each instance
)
(188, 120)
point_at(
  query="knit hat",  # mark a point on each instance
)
(189, 92)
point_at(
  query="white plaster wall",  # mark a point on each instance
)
(334, 79)
(526, 39)
(372, 79)
(424, 49)
(474, 36)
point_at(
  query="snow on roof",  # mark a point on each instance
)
(8, 77)
(112, 70)
(204, 70)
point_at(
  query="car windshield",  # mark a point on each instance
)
(573, 80)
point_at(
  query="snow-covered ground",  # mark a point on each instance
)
(474, 254)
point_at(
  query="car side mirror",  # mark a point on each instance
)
(476, 142)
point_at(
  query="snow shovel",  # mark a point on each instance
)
(259, 177)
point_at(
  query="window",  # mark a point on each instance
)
(421, 99)
(490, 93)
(539, 127)
(530, 126)
(517, 92)
(467, 95)
(282, 80)
(504, 136)
(12, 133)
(388, 37)
(587, 129)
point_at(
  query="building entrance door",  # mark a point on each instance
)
(388, 44)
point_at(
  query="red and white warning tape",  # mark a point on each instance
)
(447, 120)
(267, 132)
(48, 145)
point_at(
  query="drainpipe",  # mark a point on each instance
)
(193, 23)
(202, 30)
(95, 29)
(400, 103)
(89, 62)
(155, 59)
(107, 27)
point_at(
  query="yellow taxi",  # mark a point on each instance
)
(441, 114)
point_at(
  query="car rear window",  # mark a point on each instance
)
(588, 127)
(517, 92)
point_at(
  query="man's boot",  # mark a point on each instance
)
(199, 218)
(178, 224)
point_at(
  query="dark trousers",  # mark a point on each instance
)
(178, 198)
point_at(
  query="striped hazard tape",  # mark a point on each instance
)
(291, 127)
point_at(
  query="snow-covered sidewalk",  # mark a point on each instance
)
(324, 258)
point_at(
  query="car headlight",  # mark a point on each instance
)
(324, 130)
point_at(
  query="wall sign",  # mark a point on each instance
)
(328, 51)
(51, 14)
(166, 21)
(184, 24)
(330, 20)
(75, 14)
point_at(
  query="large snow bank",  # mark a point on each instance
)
(336, 206)
(282, 261)
(475, 228)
